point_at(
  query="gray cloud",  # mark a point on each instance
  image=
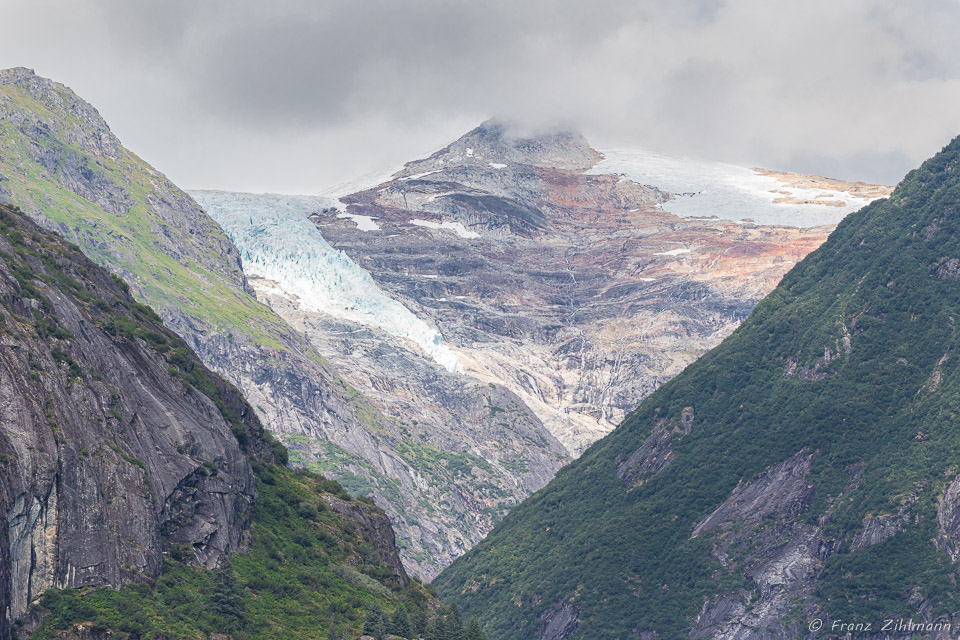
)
(294, 95)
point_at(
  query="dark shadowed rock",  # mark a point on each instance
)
(376, 527)
(107, 454)
(558, 623)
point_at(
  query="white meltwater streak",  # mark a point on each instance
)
(278, 242)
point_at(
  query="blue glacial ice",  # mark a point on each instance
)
(278, 242)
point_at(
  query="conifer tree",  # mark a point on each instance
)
(376, 622)
(473, 630)
(418, 622)
(400, 623)
(227, 598)
(454, 623)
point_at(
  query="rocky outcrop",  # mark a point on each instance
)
(656, 452)
(876, 529)
(948, 520)
(946, 269)
(108, 452)
(757, 525)
(376, 528)
(558, 623)
(779, 492)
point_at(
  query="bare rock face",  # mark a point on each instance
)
(559, 623)
(573, 290)
(758, 531)
(377, 529)
(779, 492)
(948, 520)
(876, 529)
(948, 268)
(780, 555)
(656, 452)
(107, 455)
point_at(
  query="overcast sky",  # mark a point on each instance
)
(293, 96)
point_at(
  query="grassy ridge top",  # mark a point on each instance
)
(60, 160)
(853, 359)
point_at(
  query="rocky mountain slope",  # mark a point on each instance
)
(61, 163)
(802, 472)
(505, 307)
(125, 463)
(464, 451)
(437, 392)
(565, 276)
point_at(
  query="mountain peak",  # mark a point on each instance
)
(64, 105)
(801, 452)
(500, 141)
(17, 76)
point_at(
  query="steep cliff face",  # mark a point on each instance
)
(139, 493)
(802, 472)
(63, 166)
(107, 448)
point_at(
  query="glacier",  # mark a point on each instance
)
(706, 189)
(278, 242)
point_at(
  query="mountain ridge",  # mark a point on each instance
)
(564, 296)
(62, 165)
(139, 494)
(771, 483)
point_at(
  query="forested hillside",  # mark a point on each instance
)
(806, 468)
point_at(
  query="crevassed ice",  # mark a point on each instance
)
(278, 242)
(726, 191)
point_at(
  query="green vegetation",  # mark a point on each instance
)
(290, 584)
(315, 565)
(136, 242)
(445, 624)
(882, 298)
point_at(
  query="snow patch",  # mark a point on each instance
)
(713, 189)
(278, 242)
(672, 252)
(364, 223)
(497, 165)
(417, 176)
(456, 227)
(469, 153)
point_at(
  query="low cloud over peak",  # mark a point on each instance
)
(295, 95)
